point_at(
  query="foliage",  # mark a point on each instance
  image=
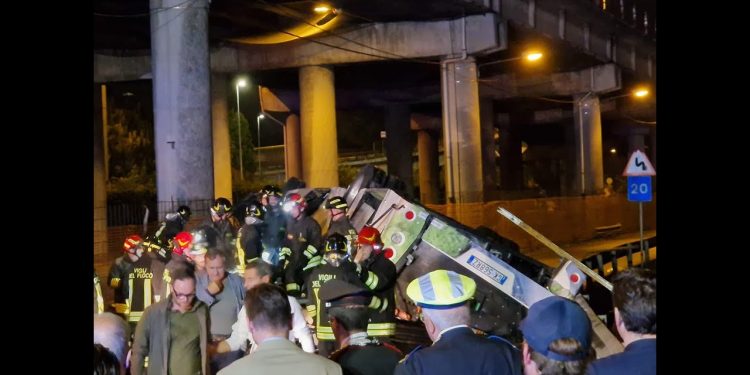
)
(248, 144)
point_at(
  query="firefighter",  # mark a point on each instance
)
(274, 230)
(119, 271)
(335, 266)
(222, 231)
(179, 258)
(142, 287)
(174, 223)
(379, 275)
(248, 242)
(339, 222)
(300, 253)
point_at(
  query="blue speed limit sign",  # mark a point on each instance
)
(639, 188)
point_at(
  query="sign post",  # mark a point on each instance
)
(639, 171)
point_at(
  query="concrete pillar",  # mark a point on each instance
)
(220, 130)
(100, 182)
(399, 144)
(427, 152)
(461, 131)
(588, 137)
(318, 127)
(292, 148)
(487, 124)
(182, 104)
(637, 140)
(511, 160)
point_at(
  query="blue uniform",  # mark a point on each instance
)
(639, 358)
(461, 351)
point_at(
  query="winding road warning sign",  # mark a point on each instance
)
(639, 165)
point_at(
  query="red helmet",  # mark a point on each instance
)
(370, 236)
(182, 242)
(293, 200)
(131, 242)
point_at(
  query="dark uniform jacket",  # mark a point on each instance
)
(249, 242)
(639, 358)
(304, 239)
(274, 230)
(145, 285)
(460, 351)
(347, 272)
(118, 277)
(375, 358)
(379, 275)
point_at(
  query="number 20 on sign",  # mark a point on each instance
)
(639, 188)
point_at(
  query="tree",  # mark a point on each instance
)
(132, 161)
(248, 145)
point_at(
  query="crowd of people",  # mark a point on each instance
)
(260, 289)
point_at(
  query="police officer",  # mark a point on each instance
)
(339, 222)
(379, 275)
(249, 244)
(303, 239)
(335, 266)
(358, 353)
(456, 349)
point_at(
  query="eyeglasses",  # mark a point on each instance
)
(179, 295)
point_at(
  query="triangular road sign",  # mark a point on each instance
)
(639, 165)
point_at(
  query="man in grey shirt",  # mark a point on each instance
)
(224, 294)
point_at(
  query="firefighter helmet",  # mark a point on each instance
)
(255, 210)
(335, 249)
(269, 190)
(370, 236)
(182, 242)
(131, 243)
(221, 206)
(294, 200)
(336, 202)
(185, 212)
(200, 242)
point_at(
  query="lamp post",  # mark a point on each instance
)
(240, 83)
(530, 56)
(260, 117)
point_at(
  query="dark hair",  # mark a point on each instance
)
(268, 307)
(634, 295)
(350, 317)
(261, 267)
(105, 362)
(213, 253)
(182, 273)
(567, 347)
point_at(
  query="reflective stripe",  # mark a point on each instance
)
(130, 293)
(314, 262)
(381, 329)
(425, 287)
(310, 251)
(146, 293)
(372, 280)
(292, 286)
(324, 329)
(375, 303)
(385, 305)
(240, 253)
(311, 310)
(325, 336)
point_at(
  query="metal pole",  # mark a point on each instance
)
(260, 170)
(640, 217)
(239, 132)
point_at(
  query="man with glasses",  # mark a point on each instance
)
(172, 335)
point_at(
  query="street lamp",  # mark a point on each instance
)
(240, 83)
(260, 117)
(530, 56)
